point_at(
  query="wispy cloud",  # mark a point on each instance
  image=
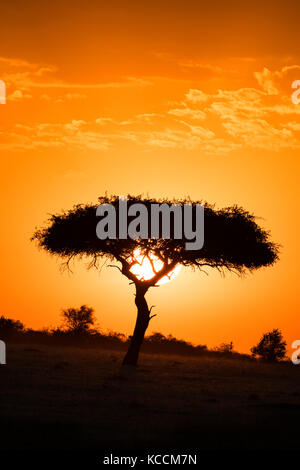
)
(188, 112)
(18, 95)
(256, 117)
(25, 76)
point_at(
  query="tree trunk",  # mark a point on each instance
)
(142, 321)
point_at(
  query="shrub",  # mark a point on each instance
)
(78, 320)
(10, 328)
(271, 347)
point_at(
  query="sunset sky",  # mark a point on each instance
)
(161, 98)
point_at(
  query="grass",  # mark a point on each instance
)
(56, 398)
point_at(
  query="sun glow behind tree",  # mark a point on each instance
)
(146, 266)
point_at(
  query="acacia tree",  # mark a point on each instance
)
(78, 320)
(232, 241)
(271, 347)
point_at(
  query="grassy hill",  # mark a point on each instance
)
(57, 398)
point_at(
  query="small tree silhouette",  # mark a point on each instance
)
(232, 241)
(10, 327)
(78, 320)
(225, 347)
(271, 347)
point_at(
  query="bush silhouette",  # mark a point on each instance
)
(10, 328)
(271, 347)
(78, 321)
(225, 347)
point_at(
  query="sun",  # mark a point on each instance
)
(142, 269)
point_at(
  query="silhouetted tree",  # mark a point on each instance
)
(78, 320)
(232, 241)
(225, 347)
(9, 327)
(157, 338)
(271, 347)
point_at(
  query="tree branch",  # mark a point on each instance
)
(163, 272)
(114, 266)
(154, 315)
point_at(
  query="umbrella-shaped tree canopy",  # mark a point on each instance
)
(232, 238)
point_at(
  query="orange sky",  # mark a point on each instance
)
(166, 98)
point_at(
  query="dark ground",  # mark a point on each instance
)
(55, 398)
